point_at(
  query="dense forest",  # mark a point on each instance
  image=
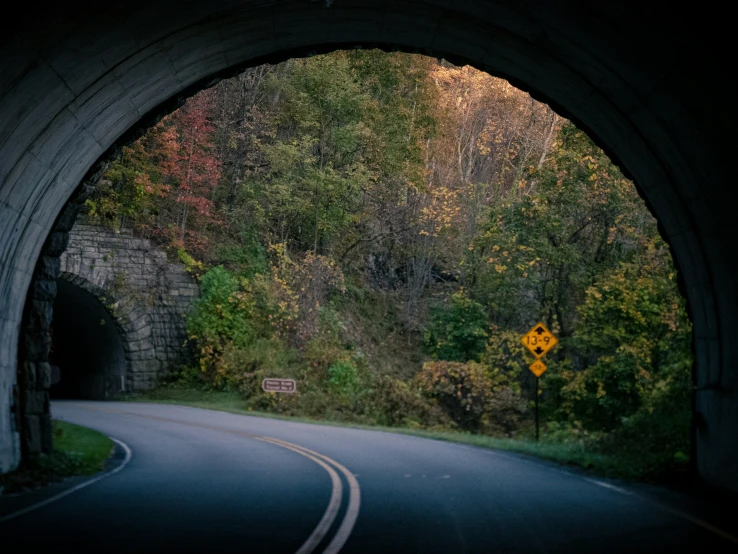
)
(383, 228)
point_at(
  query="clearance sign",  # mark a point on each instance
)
(539, 340)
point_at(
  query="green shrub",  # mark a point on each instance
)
(222, 319)
(462, 390)
(476, 398)
(656, 438)
(261, 358)
(191, 265)
(394, 402)
(343, 377)
(247, 258)
(458, 330)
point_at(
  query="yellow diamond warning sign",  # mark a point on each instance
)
(538, 368)
(539, 340)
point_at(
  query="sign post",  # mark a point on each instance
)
(539, 340)
(279, 385)
(537, 411)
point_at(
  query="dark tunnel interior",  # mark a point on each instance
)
(87, 347)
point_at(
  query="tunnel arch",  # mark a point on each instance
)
(82, 83)
(89, 343)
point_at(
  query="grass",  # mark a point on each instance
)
(89, 449)
(77, 451)
(568, 453)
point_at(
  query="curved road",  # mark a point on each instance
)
(205, 481)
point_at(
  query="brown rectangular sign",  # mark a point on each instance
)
(279, 385)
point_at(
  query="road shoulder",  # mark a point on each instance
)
(15, 502)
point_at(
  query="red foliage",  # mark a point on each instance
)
(190, 165)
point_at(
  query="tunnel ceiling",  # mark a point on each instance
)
(644, 81)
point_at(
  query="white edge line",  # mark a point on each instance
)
(61, 495)
(355, 495)
(697, 521)
(678, 513)
(608, 486)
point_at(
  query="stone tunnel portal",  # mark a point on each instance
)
(87, 347)
(77, 84)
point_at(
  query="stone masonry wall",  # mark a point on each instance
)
(147, 296)
(30, 406)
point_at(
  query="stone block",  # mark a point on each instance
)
(150, 365)
(56, 244)
(35, 402)
(134, 346)
(42, 312)
(32, 434)
(145, 345)
(69, 215)
(29, 376)
(38, 344)
(48, 267)
(44, 290)
(43, 375)
(140, 333)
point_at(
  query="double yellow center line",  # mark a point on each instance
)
(328, 464)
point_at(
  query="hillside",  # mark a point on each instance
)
(383, 228)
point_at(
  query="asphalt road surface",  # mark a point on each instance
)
(204, 481)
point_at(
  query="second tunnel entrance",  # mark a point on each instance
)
(87, 348)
